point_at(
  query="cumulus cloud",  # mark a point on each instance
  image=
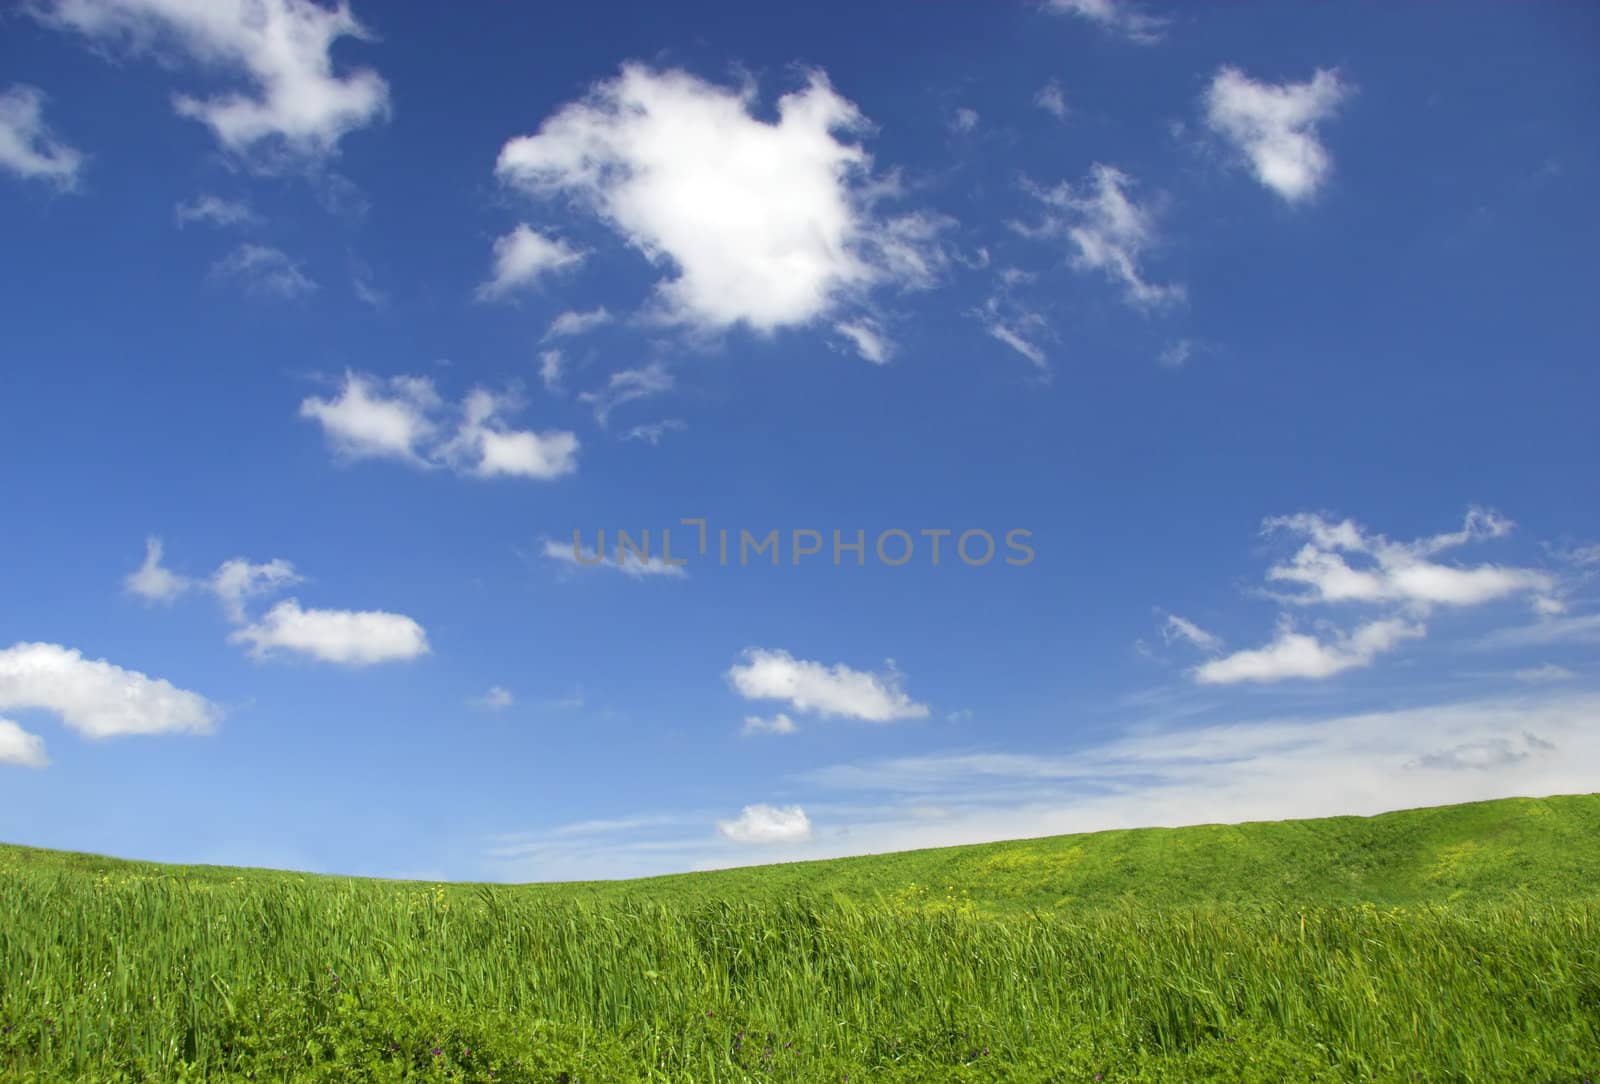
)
(293, 104)
(214, 211)
(497, 698)
(27, 146)
(629, 563)
(1396, 571)
(403, 418)
(21, 748)
(152, 581)
(1274, 127)
(238, 579)
(573, 322)
(768, 824)
(778, 724)
(1120, 17)
(95, 698)
(765, 224)
(765, 674)
(1109, 231)
(264, 271)
(1296, 655)
(485, 446)
(342, 636)
(524, 256)
(1342, 564)
(626, 386)
(350, 637)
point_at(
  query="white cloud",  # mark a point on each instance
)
(868, 339)
(233, 582)
(1121, 17)
(152, 581)
(238, 579)
(27, 146)
(778, 724)
(1178, 628)
(295, 104)
(485, 447)
(1538, 675)
(1016, 326)
(497, 698)
(573, 322)
(551, 362)
(770, 225)
(21, 748)
(400, 419)
(1396, 571)
(625, 387)
(1275, 127)
(1297, 655)
(811, 686)
(768, 824)
(372, 418)
(1109, 232)
(633, 566)
(214, 211)
(264, 271)
(1226, 771)
(652, 432)
(95, 698)
(355, 638)
(964, 121)
(522, 257)
(1051, 100)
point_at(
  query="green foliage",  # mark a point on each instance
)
(1457, 944)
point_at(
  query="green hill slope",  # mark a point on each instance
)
(1453, 944)
(1547, 847)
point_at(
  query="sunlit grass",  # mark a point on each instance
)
(113, 972)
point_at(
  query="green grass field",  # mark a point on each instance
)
(1451, 944)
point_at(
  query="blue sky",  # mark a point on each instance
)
(1269, 326)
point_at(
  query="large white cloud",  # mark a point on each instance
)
(281, 50)
(1397, 571)
(351, 637)
(1296, 655)
(27, 146)
(1274, 127)
(1342, 564)
(403, 418)
(768, 824)
(765, 674)
(765, 224)
(19, 747)
(94, 697)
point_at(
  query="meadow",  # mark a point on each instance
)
(1452, 944)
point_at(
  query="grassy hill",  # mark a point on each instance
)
(1547, 847)
(1459, 943)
